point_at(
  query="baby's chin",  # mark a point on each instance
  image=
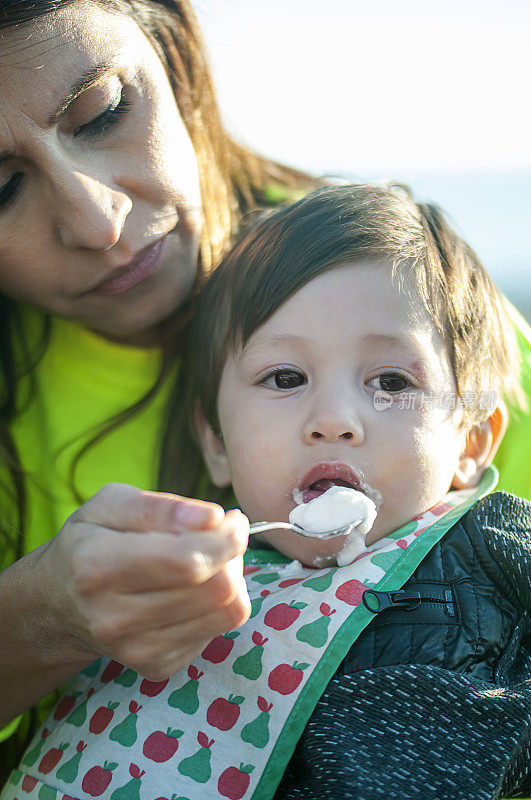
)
(313, 553)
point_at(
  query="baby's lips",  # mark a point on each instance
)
(330, 470)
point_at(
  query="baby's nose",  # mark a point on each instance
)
(330, 427)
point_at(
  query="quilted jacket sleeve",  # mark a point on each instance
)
(503, 523)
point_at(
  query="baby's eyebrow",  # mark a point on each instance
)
(386, 339)
(259, 341)
(406, 343)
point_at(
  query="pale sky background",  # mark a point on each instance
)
(435, 93)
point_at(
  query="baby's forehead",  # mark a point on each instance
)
(362, 304)
(394, 293)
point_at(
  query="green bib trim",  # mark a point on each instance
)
(352, 627)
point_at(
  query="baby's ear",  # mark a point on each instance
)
(214, 452)
(481, 444)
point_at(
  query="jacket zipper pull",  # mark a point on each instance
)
(385, 600)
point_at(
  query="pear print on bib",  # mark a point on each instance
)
(186, 698)
(250, 664)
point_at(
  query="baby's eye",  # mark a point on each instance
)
(390, 382)
(284, 379)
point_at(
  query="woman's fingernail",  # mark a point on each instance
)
(192, 515)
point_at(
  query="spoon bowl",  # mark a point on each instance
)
(261, 527)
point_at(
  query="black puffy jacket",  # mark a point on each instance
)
(433, 700)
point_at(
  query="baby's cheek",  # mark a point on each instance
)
(255, 487)
(405, 480)
(430, 477)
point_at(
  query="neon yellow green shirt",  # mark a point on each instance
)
(81, 381)
(513, 459)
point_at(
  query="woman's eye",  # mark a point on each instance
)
(102, 124)
(284, 379)
(9, 190)
(390, 382)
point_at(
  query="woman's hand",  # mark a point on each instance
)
(147, 578)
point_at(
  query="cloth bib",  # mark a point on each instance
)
(226, 726)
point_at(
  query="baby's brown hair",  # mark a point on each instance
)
(339, 224)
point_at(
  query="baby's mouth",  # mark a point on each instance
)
(323, 475)
(317, 488)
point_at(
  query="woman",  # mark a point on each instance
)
(119, 189)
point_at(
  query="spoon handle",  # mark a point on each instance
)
(260, 527)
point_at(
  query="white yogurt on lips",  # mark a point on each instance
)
(338, 507)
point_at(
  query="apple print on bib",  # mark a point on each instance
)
(225, 726)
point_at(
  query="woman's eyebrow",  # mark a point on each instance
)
(88, 79)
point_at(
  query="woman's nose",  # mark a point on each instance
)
(334, 423)
(91, 214)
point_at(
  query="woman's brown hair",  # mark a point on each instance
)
(234, 181)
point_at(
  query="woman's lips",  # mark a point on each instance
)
(141, 268)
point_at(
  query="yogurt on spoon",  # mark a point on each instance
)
(338, 507)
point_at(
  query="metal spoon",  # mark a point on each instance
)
(260, 527)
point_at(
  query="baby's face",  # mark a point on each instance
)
(299, 406)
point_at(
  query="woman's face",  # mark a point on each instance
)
(99, 192)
